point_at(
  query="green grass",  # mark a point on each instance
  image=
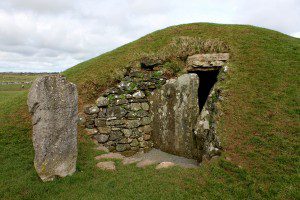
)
(14, 87)
(259, 128)
(12, 77)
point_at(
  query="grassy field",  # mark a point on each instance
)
(259, 128)
(15, 77)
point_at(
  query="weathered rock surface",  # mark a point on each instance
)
(164, 165)
(107, 165)
(175, 110)
(110, 156)
(145, 163)
(101, 138)
(206, 62)
(210, 59)
(52, 101)
(155, 156)
(205, 129)
(102, 148)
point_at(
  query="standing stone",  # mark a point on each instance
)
(175, 110)
(52, 101)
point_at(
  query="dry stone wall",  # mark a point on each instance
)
(120, 118)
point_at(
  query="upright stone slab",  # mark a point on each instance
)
(52, 101)
(175, 110)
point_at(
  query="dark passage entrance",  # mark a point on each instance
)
(207, 79)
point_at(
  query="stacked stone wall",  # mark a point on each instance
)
(120, 118)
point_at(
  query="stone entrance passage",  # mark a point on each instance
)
(149, 109)
(182, 109)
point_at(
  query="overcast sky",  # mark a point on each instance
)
(53, 35)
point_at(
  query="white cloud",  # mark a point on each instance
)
(281, 15)
(297, 34)
(52, 35)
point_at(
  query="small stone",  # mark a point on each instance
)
(135, 106)
(128, 161)
(164, 165)
(140, 139)
(125, 141)
(107, 165)
(136, 133)
(145, 163)
(102, 102)
(128, 96)
(122, 85)
(133, 123)
(91, 131)
(111, 148)
(81, 119)
(101, 138)
(114, 135)
(146, 137)
(135, 148)
(138, 95)
(94, 110)
(145, 120)
(121, 101)
(102, 113)
(145, 129)
(136, 74)
(134, 143)
(116, 111)
(137, 100)
(114, 91)
(90, 119)
(150, 144)
(91, 109)
(100, 122)
(143, 144)
(104, 129)
(102, 148)
(110, 143)
(122, 147)
(115, 122)
(110, 156)
(152, 86)
(127, 132)
(111, 118)
(142, 113)
(89, 126)
(145, 106)
(150, 62)
(131, 115)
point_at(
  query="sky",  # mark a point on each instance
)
(53, 35)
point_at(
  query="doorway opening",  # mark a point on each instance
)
(207, 80)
